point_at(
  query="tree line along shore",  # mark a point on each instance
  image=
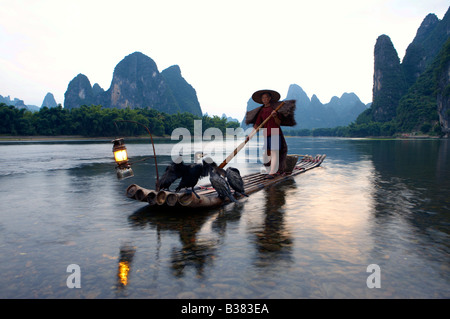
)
(98, 122)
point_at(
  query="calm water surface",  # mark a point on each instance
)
(383, 202)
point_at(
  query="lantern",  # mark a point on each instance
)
(123, 168)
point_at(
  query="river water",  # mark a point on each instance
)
(372, 202)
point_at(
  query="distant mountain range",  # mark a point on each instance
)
(49, 101)
(311, 113)
(137, 83)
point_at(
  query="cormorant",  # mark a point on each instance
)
(220, 184)
(235, 180)
(210, 164)
(190, 174)
(172, 173)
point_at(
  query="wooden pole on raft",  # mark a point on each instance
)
(153, 145)
(241, 146)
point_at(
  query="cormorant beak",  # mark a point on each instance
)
(200, 155)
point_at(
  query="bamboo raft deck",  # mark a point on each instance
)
(208, 196)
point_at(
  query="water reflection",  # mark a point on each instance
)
(125, 259)
(411, 205)
(408, 191)
(194, 252)
(227, 216)
(273, 242)
(383, 202)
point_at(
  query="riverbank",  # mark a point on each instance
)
(31, 138)
(68, 138)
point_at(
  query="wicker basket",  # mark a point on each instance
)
(291, 160)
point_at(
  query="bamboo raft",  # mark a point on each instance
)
(208, 196)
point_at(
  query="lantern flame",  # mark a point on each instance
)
(121, 156)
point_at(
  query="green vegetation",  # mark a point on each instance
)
(369, 129)
(95, 121)
(416, 111)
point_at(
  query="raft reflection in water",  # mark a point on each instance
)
(271, 239)
(273, 242)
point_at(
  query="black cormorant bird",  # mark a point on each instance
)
(190, 174)
(220, 184)
(235, 180)
(172, 173)
(209, 164)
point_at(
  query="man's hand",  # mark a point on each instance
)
(274, 115)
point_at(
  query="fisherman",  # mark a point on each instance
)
(275, 146)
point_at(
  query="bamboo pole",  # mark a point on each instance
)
(171, 199)
(241, 146)
(161, 197)
(141, 194)
(131, 190)
(151, 198)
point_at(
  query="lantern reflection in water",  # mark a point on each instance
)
(125, 259)
(124, 268)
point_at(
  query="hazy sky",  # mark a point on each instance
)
(226, 49)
